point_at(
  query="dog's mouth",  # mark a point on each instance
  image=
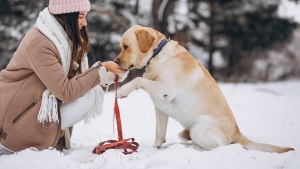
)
(129, 68)
(123, 69)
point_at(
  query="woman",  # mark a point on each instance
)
(47, 86)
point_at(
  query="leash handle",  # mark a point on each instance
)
(117, 110)
(128, 145)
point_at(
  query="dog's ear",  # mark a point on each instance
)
(145, 39)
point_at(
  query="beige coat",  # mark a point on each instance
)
(34, 67)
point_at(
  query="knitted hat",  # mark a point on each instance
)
(68, 6)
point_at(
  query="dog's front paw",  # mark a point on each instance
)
(124, 91)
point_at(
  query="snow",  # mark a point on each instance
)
(265, 112)
(289, 9)
(145, 5)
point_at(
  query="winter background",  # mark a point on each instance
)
(266, 112)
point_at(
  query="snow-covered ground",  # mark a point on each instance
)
(265, 112)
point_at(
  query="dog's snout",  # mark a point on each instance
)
(117, 60)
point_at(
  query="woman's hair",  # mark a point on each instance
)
(79, 37)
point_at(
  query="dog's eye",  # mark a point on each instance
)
(125, 46)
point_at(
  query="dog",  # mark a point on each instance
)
(182, 89)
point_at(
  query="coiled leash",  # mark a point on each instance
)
(128, 145)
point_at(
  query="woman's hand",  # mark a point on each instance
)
(112, 67)
(108, 71)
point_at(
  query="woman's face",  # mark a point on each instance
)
(82, 19)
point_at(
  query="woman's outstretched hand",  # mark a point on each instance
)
(108, 72)
(113, 67)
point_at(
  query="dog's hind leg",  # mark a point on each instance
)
(161, 128)
(184, 135)
(208, 135)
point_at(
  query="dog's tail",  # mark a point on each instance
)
(248, 144)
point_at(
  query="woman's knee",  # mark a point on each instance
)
(73, 112)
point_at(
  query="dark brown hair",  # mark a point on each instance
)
(79, 37)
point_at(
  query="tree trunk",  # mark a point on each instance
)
(4, 7)
(136, 9)
(211, 38)
(161, 9)
(231, 58)
(155, 8)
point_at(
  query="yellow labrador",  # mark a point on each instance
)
(183, 89)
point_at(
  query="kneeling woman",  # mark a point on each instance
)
(47, 86)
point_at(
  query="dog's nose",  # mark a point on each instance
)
(116, 60)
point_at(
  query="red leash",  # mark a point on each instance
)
(128, 145)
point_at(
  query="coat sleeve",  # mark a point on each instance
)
(45, 63)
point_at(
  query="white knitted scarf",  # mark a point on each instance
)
(51, 28)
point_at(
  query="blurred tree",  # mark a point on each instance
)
(4, 7)
(169, 18)
(237, 28)
(107, 21)
(161, 10)
(17, 16)
(230, 29)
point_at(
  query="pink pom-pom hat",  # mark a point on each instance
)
(68, 6)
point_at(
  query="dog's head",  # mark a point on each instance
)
(137, 46)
